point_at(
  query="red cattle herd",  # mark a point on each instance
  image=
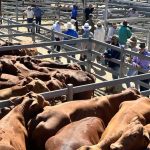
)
(114, 122)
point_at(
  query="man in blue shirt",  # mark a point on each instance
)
(71, 32)
(38, 12)
(74, 14)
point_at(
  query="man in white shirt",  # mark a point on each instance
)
(111, 31)
(57, 27)
(30, 15)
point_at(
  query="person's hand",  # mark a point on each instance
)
(136, 65)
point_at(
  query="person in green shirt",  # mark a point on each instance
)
(124, 33)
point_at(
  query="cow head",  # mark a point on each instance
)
(134, 136)
(55, 84)
(31, 104)
(37, 86)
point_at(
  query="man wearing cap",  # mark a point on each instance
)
(124, 33)
(132, 45)
(140, 63)
(30, 15)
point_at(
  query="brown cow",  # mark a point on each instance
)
(49, 64)
(147, 128)
(19, 52)
(36, 86)
(126, 127)
(7, 66)
(6, 84)
(86, 131)
(134, 136)
(13, 134)
(11, 78)
(54, 118)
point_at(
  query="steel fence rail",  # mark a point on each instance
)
(83, 88)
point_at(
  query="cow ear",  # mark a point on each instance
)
(146, 135)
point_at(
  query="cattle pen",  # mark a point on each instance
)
(47, 43)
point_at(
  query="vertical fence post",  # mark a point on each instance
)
(148, 40)
(89, 55)
(106, 14)
(121, 74)
(70, 92)
(16, 10)
(52, 39)
(33, 32)
(9, 30)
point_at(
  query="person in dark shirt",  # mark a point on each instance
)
(89, 10)
(112, 53)
(74, 14)
(38, 12)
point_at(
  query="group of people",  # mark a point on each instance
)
(118, 36)
(31, 13)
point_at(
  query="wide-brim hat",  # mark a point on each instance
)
(69, 25)
(86, 26)
(73, 21)
(98, 25)
(132, 40)
(29, 7)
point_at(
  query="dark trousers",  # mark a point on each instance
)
(57, 46)
(38, 21)
(76, 23)
(145, 81)
(82, 58)
(29, 20)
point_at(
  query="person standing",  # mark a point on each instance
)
(124, 33)
(133, 46)
(87, 11)
(99, 35)
(142, 63)
(74, 14)
(56, 27)
(91, 23)
(71, 32)
(86, 34)
(38, 12)
(30, 15)
(112, 30)
(112, 53)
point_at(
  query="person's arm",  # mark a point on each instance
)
(129, 33)
(24, 13)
